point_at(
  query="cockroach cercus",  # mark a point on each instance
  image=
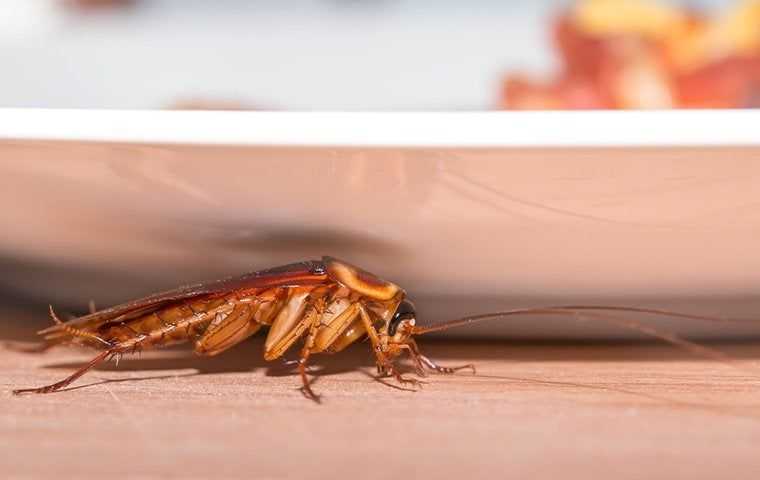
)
(327, 304)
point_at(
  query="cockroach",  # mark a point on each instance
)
(328, 304)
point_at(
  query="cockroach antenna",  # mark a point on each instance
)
(565, 309)
(604, 313)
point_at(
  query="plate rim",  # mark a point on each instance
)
(505, 129)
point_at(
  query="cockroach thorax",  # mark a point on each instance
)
(360, 280)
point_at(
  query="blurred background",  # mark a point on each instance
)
(379, 54)
(110, 222)
(463, 229)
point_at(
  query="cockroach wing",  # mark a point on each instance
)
(311, 272)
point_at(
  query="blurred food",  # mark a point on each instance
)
(636, 54)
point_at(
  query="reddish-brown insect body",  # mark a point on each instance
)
(328, 304)
(323, 305)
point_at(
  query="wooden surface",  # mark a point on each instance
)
(532, 411)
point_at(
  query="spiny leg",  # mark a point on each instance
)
(390, 369)
(304, 357)
(291, 326)
(445, 370)
(419, 367)
(66, 381)
(384, 365)
(419, 358)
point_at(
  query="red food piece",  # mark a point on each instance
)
(639, 70)
(729, 83)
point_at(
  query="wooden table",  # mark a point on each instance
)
(532, 411)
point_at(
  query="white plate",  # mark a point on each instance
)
(467, 211)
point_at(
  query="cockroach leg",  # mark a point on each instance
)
(419, 367)
(66, 381)
(384, 365)
(308, 344)
(445, 370)
(286, 362)
(374, 338)
(308, 392)
(423, 360)
(392, 371)
(289, 363)
(116, 357)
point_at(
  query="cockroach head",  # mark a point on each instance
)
(404, 313)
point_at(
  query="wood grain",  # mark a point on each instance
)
(532, 411)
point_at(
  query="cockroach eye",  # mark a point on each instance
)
(405, 311)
